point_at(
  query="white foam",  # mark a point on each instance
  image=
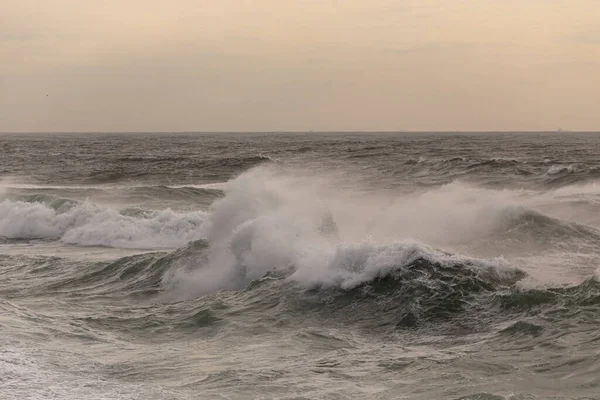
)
(582, 189)
(271, 218)
(209, 186)
(39, 373)
(557, 169)
(90, 225)
(7, 183)
(27, 186)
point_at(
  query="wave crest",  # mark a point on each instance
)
(90, 225)
(316, 233)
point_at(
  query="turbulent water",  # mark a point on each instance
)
(300, 266)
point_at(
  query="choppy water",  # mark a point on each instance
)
(304, 266)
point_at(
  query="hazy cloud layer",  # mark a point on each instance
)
(272, 65)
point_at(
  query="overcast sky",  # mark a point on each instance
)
(289, 65)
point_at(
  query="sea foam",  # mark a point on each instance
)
(322, 234)
(90, 225)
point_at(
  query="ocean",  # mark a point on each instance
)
(300, 266)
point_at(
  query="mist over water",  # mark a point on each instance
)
(300, 266)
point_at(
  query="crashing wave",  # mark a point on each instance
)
(90, 225)
(269, 221)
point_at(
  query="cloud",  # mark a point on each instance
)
(432, 47)
(591, 38)
(444, 46)
(15, 36)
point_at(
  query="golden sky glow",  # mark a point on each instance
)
(236, 65)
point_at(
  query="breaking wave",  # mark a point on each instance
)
(90, 225)
(327, 235)
(281, 242)
(304, 228)
(557, 169)
(290, 232)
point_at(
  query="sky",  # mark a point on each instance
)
(299, 65)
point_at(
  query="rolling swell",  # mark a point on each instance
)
(461, 295)
(489, 172)
(386, 287)
(199, 195)
(424, 291)
(564, 175)
(421, 289)
(570, 299)
(452, 294)
(524, 223)
(159, 169)
(139, 276)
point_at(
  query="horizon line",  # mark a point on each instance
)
(296, 132)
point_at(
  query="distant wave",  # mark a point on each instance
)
(557, 169)
(212, 167)
(27, 186)
(201, 194)
(218, 161)
(569, 175)
(516, 222)
(207, 186)
(493, 163)
(586, 294)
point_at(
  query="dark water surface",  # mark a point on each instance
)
(300, 266)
